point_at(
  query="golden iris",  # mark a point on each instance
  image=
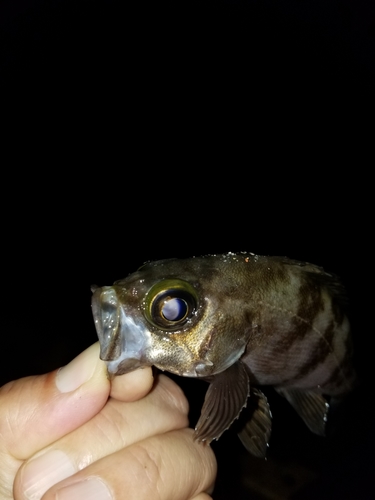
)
(170, 303)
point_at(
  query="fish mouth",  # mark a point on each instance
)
(123, 343)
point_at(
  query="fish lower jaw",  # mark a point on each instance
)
(120, 368)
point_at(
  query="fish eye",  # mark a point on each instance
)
(170, 303)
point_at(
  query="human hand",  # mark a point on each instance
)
(71, 434)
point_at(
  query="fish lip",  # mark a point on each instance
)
(134, 342)
(123, 342)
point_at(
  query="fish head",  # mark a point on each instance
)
(167, 315)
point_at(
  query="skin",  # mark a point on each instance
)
(74, 429)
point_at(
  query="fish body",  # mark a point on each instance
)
(239, 321)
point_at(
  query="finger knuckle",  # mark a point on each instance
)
(147, 465)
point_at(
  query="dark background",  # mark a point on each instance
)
(134, 132)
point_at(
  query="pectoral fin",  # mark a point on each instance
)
(311, 406)
(257, 430)
(225, 398)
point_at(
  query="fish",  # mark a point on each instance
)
(241, 322)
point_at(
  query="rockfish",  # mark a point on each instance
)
(239, 321)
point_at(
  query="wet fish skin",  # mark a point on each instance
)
(251, 321)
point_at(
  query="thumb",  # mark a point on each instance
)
(36, 411)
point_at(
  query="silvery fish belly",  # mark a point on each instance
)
(239, 321)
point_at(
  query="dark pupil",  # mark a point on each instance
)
(174, 309)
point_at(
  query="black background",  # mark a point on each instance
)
(135, 132)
